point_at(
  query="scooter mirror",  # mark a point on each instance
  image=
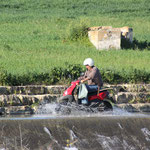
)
(82, 74)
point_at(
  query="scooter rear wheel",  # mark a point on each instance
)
(63, 109)
(105, 106)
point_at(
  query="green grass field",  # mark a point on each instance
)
(33, 34)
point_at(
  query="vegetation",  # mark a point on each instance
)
(39, 40)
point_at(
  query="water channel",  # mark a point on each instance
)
(46, 130)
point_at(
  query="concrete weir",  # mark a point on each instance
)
(26, 99)
(76, 133)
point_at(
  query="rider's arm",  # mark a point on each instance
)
(89, 75)
(83, 80)
(83, 77)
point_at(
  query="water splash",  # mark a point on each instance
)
(120, 112)
(49, 110)
(70, 145)
(72, 135)
(120, 126)
(48, 132)
(51, 138)
(113, 143)
(146, 132)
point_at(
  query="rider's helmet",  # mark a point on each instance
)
(89, 62)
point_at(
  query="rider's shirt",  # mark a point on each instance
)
(94, 77)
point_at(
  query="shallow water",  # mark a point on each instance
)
(47, 111)
(47, 130)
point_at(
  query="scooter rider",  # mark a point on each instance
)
(92, 76)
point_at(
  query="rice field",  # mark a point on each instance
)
(33, 34)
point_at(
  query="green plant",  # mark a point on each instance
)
(32, 45)
(3, 76)
(73, 71)
(77, 32)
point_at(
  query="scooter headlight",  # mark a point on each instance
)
(66, 92)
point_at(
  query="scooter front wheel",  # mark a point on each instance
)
(65, 99)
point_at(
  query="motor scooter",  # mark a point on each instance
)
(93, 102)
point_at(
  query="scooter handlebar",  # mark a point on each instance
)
(77, 82)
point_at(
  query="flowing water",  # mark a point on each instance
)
(47, 130)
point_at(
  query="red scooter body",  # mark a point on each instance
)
(69, 91)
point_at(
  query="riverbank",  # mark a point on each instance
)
(26, 99)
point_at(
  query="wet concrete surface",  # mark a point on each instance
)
(95, 132)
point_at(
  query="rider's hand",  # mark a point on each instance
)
(82, 81)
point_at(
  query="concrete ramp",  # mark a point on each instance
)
(78, 133)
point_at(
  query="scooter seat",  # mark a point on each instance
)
(91, 90)
(95, 92)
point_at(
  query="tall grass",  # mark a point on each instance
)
(34, 35)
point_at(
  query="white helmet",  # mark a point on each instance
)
(89, 62)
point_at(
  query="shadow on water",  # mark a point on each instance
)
(117, 130)
(141, 45)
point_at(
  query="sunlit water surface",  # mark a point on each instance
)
(47, 111)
